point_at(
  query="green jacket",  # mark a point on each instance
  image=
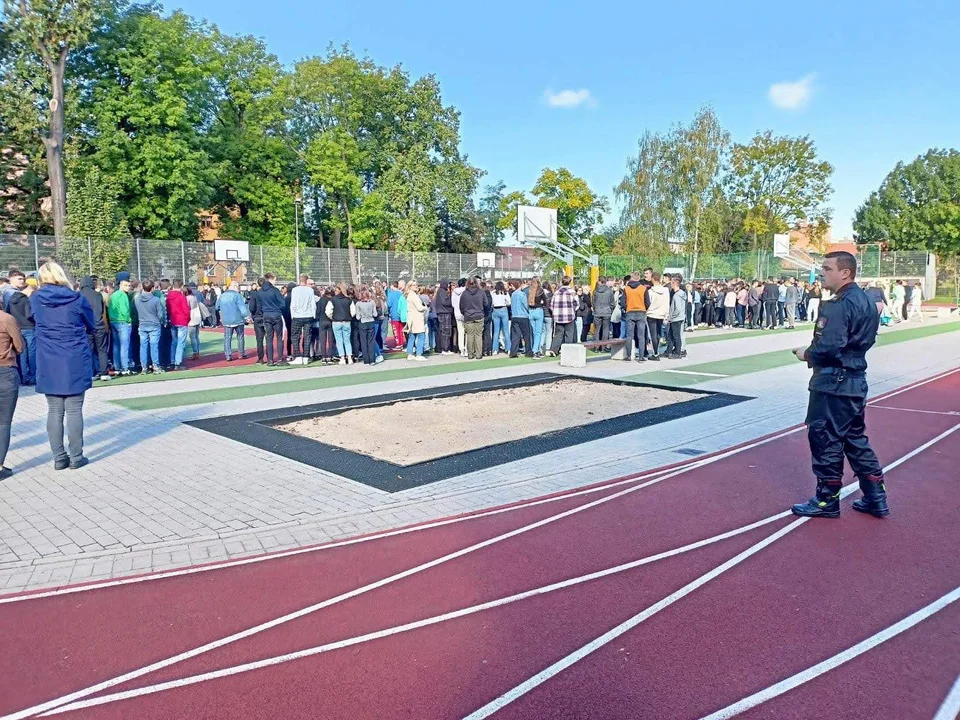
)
(119, 308)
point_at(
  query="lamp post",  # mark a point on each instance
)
(296, 225)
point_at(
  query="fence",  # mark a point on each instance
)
(194, 261)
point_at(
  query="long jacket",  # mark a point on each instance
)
(64, 362)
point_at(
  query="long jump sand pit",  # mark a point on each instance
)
(412, 431)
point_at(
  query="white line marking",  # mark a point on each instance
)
(839, 659)
(396, 630)
(574, 657)
(389, 533)
(215, 644)
(950, 709)
(915, 410)
(691, 372)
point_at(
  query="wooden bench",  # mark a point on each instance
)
(575, 354)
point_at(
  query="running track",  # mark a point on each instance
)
(729, 626)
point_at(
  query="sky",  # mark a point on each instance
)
(575, 84)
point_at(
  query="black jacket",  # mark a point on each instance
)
(19, 306)
(771, 292)
(845, 330)
(442, 303)
(341, 308)
(253, 304)
(472, 304)
(269, 300)
(94, 298)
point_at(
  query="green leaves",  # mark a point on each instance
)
(917, 206)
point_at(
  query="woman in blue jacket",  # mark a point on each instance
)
(64, 363)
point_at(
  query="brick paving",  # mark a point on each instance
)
(159, 494)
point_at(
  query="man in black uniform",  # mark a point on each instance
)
(845, 330)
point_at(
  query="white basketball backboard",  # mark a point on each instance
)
(486, 259)
(536, 224)
(231, 251)
(781, 245)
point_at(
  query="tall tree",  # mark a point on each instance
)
(648, 193)
(779, 182)
(43, 33)
(489, 212)
(579, 209)
(96, 227)
(917, 206)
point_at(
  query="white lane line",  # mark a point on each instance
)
(950, 709)
(340, 543)
(215, 644)
(391, 533)
(396, 630)
(691, 372)
(840, 658)
(915, 410)
(574, 657)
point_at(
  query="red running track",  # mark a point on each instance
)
(452, 668)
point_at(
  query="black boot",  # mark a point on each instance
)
(826, 503)
(874, 500)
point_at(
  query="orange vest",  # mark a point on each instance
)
(636, 298)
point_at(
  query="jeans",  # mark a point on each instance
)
(273, 328)
(473, 330)
(9, 392)
(729, 316)
(178, 342)
(28, 358)
(547, 333)
(194, 332)
(536, 327)
(675, 337)
(121, 345)
(781, 312)
(327, 342)
(770, 313)
(741, 315)
(655, 326)
(382, 330)
(69, 407)
(414, 343)
(341, 334)
(602, 325)
(299, 338)
(228, 333)
(258, 332)
(368, 341)
(635, 323)
(431, 334)
(501, 323)
(149, 347)
(165, 346)
(579, 327)
(520, 328)
(100, 350)
(563, 334)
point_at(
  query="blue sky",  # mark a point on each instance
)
(871, 82)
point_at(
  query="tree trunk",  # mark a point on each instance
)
(351, 251)
(696, 246)
(336, 238)
(54, 146)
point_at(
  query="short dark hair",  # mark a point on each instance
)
(566, 280)
(148, 285)
(177, 284)
(845, 261)
(461, 282)
(269, 276)
(15, 273)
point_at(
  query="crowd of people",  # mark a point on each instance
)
(61, 336)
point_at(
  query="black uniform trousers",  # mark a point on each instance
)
(836, 429)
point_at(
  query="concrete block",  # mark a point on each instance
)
(573, 355)
(618, 352)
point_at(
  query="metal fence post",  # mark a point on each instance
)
(36, 252)
(139, 274)
(329, 269)
(386, 257)
(460, 260)
(262, 270)
(90, 254)
(438, 266)
(183, 261)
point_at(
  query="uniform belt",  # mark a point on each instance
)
(839, 371)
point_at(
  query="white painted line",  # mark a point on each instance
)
(256, 629)
(915, 410)
(612, 634)
(950, 709)
(839, 659)
(317, 650)
(574, 657)
(691, 372)
(390, 533)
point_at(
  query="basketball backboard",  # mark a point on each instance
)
(781, 245)
(231, 251)
(536, 224)
(486, 259)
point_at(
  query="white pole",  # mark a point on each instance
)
(296, 223)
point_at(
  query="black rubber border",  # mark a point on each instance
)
(257, 430)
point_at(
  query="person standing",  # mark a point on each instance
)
(178, 311)
(416, 322)
(657, 310)
(303, 310)
(444, 308)
(256, 315)
(536, 300)
(196, 319)
(270, 301)
(563, 305)
(814, 296)
(120, 314)
(458, 315)
(678, 311)
(64, 361)
(151, 315)
(394, 296)
(367, 314)
(845, 331)
(603, 304)
(633, 306)
(11, 345)
(234, 314)
(792, 294)
(520, 321)
(473, 303)
(771, 291)
(500, 301)
(17, 304)
(90, 288)
(916, 303)
(898, 296)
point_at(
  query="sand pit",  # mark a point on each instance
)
(414, 431)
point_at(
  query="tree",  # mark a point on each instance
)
(96, 227)
(649, 195)
(779, 182)
(489, 213)
(579, 210)
(916, 207)
(44, 32)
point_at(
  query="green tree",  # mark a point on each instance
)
(97, 239)
(648, 194)
(489, 213)
(579, 209)
(39, 36)
(779, 182)
(916, 207)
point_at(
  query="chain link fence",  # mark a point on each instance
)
(195, 261)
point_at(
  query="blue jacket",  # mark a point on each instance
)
(269, 300)
(233, 308)
(519, 307)
(393, 300)
(64, 362)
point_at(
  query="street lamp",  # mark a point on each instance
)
(296, 225)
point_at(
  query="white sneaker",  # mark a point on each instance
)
(420, 358)
(409, 357)
(343, 361)
(378, 360)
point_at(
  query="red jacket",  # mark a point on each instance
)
(177, 309)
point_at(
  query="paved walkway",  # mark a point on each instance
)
(159, 494)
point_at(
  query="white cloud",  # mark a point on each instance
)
(569, 98)
(792, 95)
